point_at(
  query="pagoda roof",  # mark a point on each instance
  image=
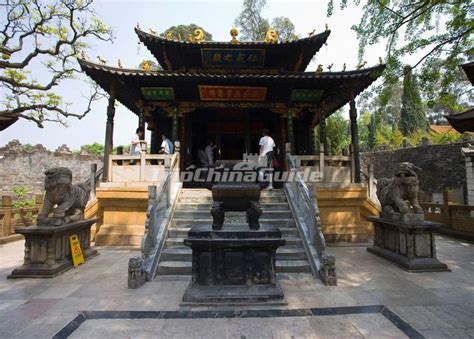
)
(462, 122)
(469, 70)
(336, 88)
(184, 56)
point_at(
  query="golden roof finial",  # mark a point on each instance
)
(179, 37)
(146, 66)
(198, 35)
(233, 33)
(119, 62)
(312, 32)
(319, 69)
(271, 36)
(169, 35)
(344, 67)
(101, 60)
(190, 38)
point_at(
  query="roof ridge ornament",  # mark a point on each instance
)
(344, 67)
(233, 33)
(362, 65)
(152, 31)
(102, 61)
(119, 62)
(271, 36)
(312, 32)
(319, 70)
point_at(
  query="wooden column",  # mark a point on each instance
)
(323, 139)
(109, 133)
(355, 141)
(141, 120)
(174, 128)
(290, 138)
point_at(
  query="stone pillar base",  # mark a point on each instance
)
(409, 245)
(233, 265)
(47, 250)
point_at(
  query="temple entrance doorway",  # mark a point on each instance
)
(234, 131)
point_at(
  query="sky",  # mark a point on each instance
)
(216, 17)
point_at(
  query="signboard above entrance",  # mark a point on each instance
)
(306, 95)
(232, 93)
(232, 58)
(158, 93)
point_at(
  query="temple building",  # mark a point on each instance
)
(229, 91)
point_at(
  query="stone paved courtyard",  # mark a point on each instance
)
(434, 305)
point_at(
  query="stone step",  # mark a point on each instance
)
(185, 253)
(178, 222)
(292, 266)
(208, 199)
(208, 193)
(266, 214)
(184, 206)
(185, 267)
(175, 267)
(291, 241)
(182, 232)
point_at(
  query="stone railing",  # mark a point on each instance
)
(337, 168)
(305, 210)
(161, 204)
(10, 217)
(458, 219)
(138, 168)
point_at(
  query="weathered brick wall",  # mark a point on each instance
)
(443, 167)
(21, 167)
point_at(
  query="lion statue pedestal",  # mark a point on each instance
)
(401, 234)
(47, 247)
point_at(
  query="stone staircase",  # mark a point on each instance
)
(194, 208)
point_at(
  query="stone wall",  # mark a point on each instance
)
(443, 167)
(20, 165)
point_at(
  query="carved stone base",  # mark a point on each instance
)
(47, 251)
(410, 245)
(233, 265)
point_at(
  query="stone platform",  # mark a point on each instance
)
(234, 264)
(408, 244)
(436, 305)
(47, 250)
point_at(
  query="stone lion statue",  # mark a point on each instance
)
(65, 201)
(399, 195)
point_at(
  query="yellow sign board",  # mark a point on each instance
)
(76, 252)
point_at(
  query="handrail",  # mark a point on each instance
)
(161, 203)
(305, 209)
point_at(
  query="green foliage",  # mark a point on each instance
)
(412, 115)
(183, 32)
(39, 44)
(253, 26)
(337, 133)
(436, 34)
(27, 147)
(372, 127)
(21, 202)
(250, 22)
(95, 148)
(444, 138)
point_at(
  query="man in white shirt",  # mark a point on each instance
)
(266, 147)
(135, 147)
(166, 145)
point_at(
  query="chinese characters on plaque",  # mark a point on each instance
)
(232, 93)
(224, 57)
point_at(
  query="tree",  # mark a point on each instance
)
(418, 23)
(250, 22)
(284, 28)
(183, 32)
(372, 131)
(39, 43)
(337, 132)
(253, 26)
(412, 115)
(95, 148)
